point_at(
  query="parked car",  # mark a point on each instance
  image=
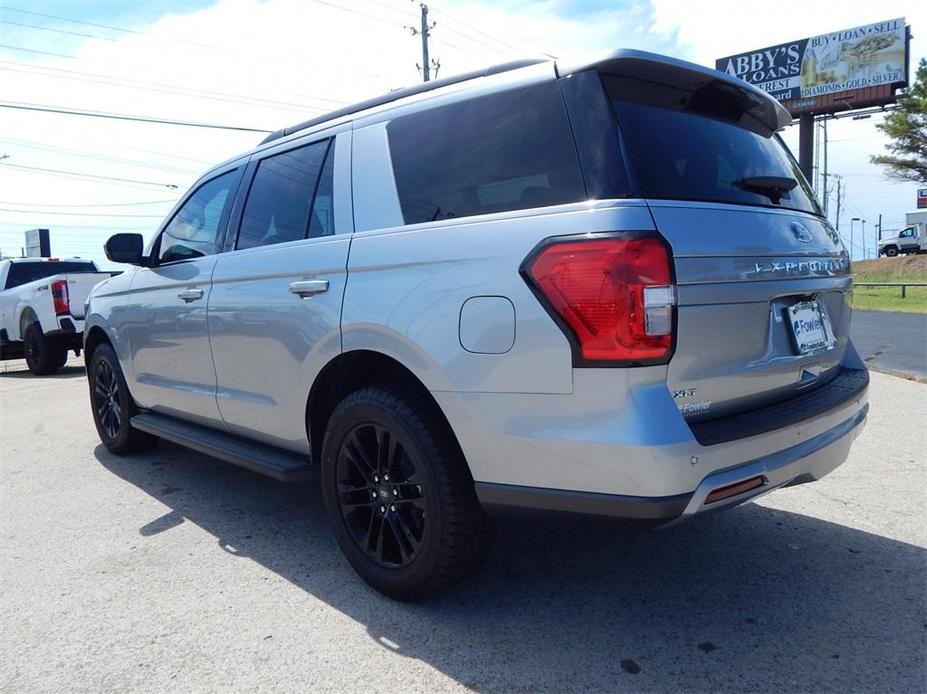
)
(911, 239)
(601, 288)
(42, 309)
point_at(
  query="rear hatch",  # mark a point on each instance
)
(748, 241)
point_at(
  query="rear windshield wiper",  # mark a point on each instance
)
(773, 187)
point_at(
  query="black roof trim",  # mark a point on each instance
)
(403, 93)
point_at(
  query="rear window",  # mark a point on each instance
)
(24, 273)
(507, 151)
(704, 146)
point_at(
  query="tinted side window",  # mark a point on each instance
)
(193, 231)
(500, 152)
(280, 200)
(322, 219)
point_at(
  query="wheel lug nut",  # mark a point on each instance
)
(383, 509)
(386, 477)
(376, 478)
(373, 495)
(395, 492)
(392, 508)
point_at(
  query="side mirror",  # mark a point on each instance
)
(125, 248)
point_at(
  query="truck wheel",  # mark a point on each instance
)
(113, 406)
(43, 352)
(891, 251)
(399, 495)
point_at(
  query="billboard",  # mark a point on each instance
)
(852, 68)
(37, 243)
(921, 198)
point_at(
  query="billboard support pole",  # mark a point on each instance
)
(806, 144)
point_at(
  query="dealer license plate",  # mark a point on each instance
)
(811, 327)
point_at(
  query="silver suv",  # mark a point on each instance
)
(602, 288)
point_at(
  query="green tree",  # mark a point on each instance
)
(907, 128)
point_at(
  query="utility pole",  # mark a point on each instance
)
(425, 33)
(826, 206)
(880, 226)
(839, 190)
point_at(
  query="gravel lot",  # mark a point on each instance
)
(170, 571)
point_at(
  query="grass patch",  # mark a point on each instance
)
(907, 269)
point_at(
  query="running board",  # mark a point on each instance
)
(257, 457)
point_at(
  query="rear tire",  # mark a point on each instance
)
(44, 354)
(113, 406)
(399, 495)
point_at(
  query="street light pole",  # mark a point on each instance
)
(863, 236)
(854, 219)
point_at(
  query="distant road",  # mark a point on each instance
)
(891, 341)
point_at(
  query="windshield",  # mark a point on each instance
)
(23, 273)
(700, 149)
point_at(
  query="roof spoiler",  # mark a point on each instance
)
(686, 76)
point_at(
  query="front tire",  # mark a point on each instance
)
(891, 251)
(45, 354)
(113, 406)
(399, 495)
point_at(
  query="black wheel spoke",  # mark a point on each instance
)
(358, 457)
(356, 498)
(405, 538)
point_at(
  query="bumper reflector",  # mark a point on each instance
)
(733, 490)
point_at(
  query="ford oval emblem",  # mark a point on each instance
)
(801, 232)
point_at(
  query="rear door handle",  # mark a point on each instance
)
(189, 295)
(307, 288)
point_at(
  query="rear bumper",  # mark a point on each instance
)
(805, 462)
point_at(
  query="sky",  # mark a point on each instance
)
(260, 65)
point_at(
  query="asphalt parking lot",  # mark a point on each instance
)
(892, 341)
(170, 571)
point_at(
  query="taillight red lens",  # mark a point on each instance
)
(60, 297)
(597, 287)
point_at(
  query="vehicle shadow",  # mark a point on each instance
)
(68, 371)
(752, 599)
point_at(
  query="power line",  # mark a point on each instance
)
(65, 56)
(476, 30)
(84, 154)
(57, 31)
(204, 94)
(90, 204)
(81, 174)
(83, 214)
(22, 106)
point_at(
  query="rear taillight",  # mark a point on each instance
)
(613, 295)
(60, 297)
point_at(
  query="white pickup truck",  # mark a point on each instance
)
(42, 309)
(911, 239)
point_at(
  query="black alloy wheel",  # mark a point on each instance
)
(112, 404)
(106, 399)
(381, 496)
(399, 494)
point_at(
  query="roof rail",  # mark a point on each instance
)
(403, 93)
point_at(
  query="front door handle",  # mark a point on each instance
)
(307, 288)
(189, 295)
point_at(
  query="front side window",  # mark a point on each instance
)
(507, 151)
(907, 233)
(194, 230)
(279, 206)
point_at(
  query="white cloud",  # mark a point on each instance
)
(271, 63)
